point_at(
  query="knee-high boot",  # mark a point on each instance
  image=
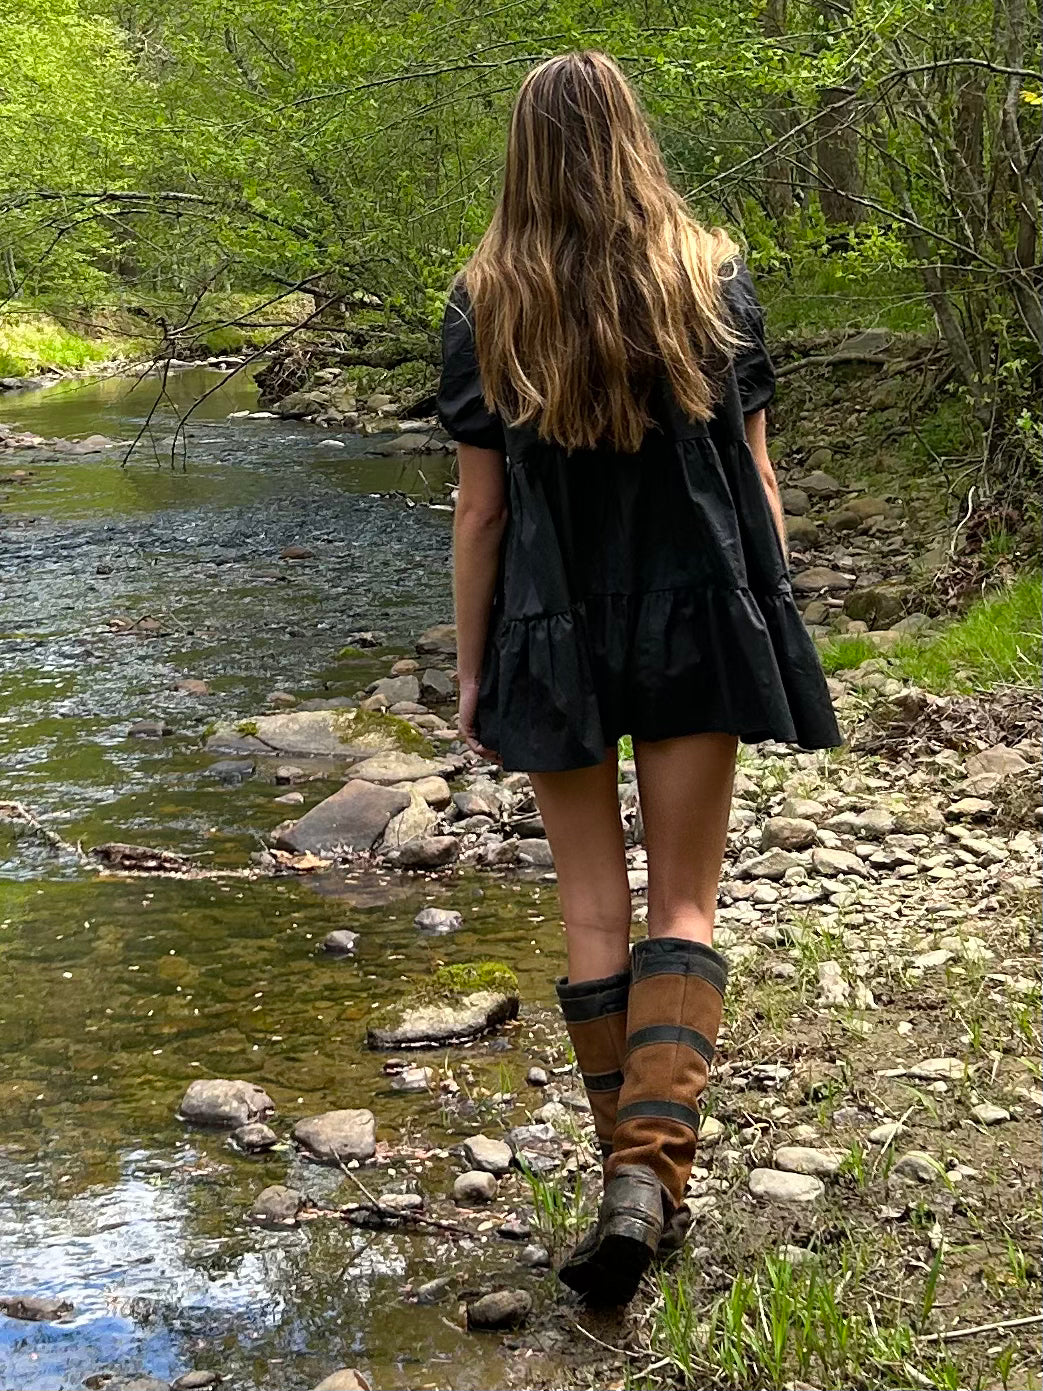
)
(595, 1014)
(673, 1015)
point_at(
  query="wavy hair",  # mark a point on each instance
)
(593, 280)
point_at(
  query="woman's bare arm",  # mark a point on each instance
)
(757, 438)
(481, 515)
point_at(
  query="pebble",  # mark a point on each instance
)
(796, 1255)
(988, 1113)
(486, 1155)
(276, 1206)
(195, 1381)
(341, 942)
(474, 1187)
(222, 1102)
(919, 1165)
(788, 833)
(500, 1309)
(834, 862)
(802, 1159)
(536, 1257)
(711, 1130)
(938, 1069)
(833, 989)
(413, 1079)
(776, 1186)
(334, 1137)
(537, 1077)
(885, 1133)
(433, 1291)
(347, 1379)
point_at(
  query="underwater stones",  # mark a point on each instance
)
(220, 1102)
(254, 1138)
(276, 1206)
(340, 942)
(458, 1003)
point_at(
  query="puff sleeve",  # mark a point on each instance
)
(752, 363)
(461, 406)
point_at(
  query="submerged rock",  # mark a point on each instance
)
(347, 1379)
(458, 1003)
(277, 1206)
(337, 1136)
(195, 1381)
(350, 822)
(216, 1101)
(340, 942)
(438, 920)
(254, 1138)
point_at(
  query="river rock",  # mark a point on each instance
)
(93, 444)
(254, 1138)
(462, 1003)
(413, 1079)
(276, 1206)
(772, 865)
(388, 768)
(471, 1189)
(833, 989)
(874, 824)
(537, 1077)
(340, 942)
(885, 1133)
(216, 1101)
(938, 1069)
(349, 822)
(149, 729)
(347, 1379)
(795, 501)
(819, 482)
(788, 833)
(437, 687)
(35, 1308)
(439, 641)
(819, 577)
(434, 790)
(988, 770)
(534, 1256)
(396, 688)
(411, 824)
(988, 1113)
(801, 531)
(427, 852)
(832, 863)
(501, 1309)
(338, 1136)
(487, 1155)
(536, 852)
(803, 1159)
(878, 605)
(232, 771)
(919, 1165)
(438, 920)
(191, 685)
(195, 1381)
(329, 731)
(477, 801)
(406, 443)
(776, 1186)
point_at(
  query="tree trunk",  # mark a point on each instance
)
(836, 156)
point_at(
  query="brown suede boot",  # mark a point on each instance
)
(673, 1014)
(596, 1017)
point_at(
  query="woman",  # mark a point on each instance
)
(620, 569)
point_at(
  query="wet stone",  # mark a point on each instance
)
(216, 1101)
(254, 1138)
(340, 942)
(537, 1077)
(347, 1379)
(433, 1291)
(232, 770)
(501, 1309)
(536, 851)
(276, 1206)
(427, 852)
(149, 729)
(534, 1257)
(335, 1137)
(413, 1079)
(195, 1381)
(34, 1308)
(351, 821)
(438, 920)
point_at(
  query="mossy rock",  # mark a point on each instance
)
(321, 733)
(457, 1004)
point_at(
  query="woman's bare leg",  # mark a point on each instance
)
(685, 787)
(580, 811)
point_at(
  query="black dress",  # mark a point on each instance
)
(643, 594)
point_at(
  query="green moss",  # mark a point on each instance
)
(347, 654)
(469, 976)
(373, 727)
(247, 727)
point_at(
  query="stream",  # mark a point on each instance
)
(115, 993)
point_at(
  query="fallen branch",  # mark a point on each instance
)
(20, 814)
(951, 1334)
(374, 1208)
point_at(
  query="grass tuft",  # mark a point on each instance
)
(844, 654)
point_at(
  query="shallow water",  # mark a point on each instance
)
(115, 993)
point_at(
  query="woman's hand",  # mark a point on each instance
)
(467, 719)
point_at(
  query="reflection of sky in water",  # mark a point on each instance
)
(144, 1281)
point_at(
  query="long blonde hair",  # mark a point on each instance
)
(593, 280)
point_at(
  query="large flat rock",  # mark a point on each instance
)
(337, 1136)
(350, 822)
(456, 1004)
(346, 733)
(404, 767)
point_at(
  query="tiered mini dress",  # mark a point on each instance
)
(643, 594)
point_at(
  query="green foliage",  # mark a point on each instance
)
(468, 976)
(36, 343)
(997, 641)
(844, 654)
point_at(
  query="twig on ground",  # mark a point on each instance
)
(951, 1334)
(390, 1214)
